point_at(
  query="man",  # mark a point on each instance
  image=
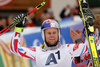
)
(51, 53)
(69, 10)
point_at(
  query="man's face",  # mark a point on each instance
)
(51, 35)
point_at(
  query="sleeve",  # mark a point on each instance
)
(98, 48)
(62, 13)
(79, 52)
(80, 59)
(27, 52)
(85, 55)
(78, 49)
(98, 45)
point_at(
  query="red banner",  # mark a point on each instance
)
(5, 2)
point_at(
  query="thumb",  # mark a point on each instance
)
(24, 21)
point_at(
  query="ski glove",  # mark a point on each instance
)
(20, 20)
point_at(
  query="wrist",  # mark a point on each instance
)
(79, 40)
(19, 29)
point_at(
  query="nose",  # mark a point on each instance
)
(52, 35)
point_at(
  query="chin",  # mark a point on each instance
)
(52, 44)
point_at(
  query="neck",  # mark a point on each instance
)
(45, 47)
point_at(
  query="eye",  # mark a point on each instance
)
(49, 33)
(54, 32)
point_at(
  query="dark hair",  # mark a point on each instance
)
(97, 21)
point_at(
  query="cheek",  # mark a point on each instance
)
(46, 36)
(57, 37)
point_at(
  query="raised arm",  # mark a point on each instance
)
(85, 56)
(76, 37)
(27, 52)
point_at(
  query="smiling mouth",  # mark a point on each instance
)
(52, 39)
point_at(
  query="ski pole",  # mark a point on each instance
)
(15, 23)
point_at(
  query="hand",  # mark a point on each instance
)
(20, 20)
(75, 34)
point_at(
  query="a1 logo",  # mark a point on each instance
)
(51, 58)
(5, 2)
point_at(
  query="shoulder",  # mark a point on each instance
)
(75, 46)
(34, 48)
